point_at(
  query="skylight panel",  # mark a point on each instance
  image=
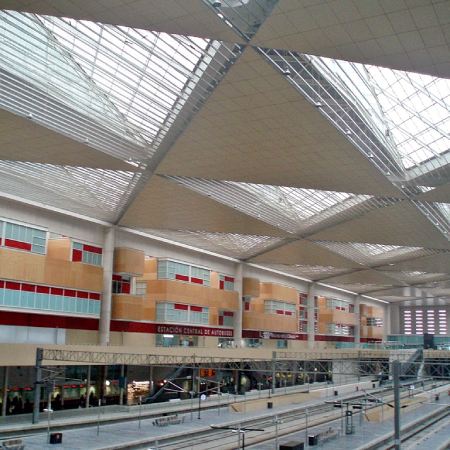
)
(229, 244)
(377, 254)
(133, 84)
(91, 192)
(295, 210)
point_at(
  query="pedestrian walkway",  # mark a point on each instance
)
(368, 433)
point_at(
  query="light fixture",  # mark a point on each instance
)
(370, 155)
(29, 115)
(216, 4)
(107, 383)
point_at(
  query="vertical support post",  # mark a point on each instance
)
(106, 302)
(218, 399)
(140, 410)
(306, 426)
(310, 311)
(151, 385)
(276, 431)
(88, 385)
(5, 390)
(237, 332)
(122, 374)
(49, 411)
(98, 417)
(396, 376)
(37, 385)
(274, 362)
(358, 321)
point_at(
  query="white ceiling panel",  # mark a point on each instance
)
(164, 204)
(188, 17)
(305, 253)
(256, 128)
(401, 35)
(400, 224)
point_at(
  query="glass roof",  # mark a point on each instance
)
(413, 109)
(399, 120)
(233, 245)
(295, 210)
(309, 272)
(377, 254)
(414, 276)
(131, 82)
(94, 192)
(243, 16)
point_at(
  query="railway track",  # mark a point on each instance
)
(293, 421)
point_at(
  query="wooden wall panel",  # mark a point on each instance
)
(60, 249)
(129, 261)
(268, 322)
(178, 292)
(375, 332)
(251, 287)
(150, 270)
(272, 291)
(214, 280)
(334, 316)
(128, 307)
(40, 269)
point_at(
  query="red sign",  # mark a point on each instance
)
(255, 334)
(192, 330)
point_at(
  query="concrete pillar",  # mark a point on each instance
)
(238, 341)
(358, 322)
(105, 310)
(5, 390)
(310, 310)
(392, 320)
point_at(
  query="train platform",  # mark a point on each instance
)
(133, 427)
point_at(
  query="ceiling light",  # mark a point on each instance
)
(30, 116)
(318, 105)
(216, 4)
(370, 155)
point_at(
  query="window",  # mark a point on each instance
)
(182, 313)
(87, 254)
(22, 237)
(339, 305)
(226, 283)
(247, 301)
(141, 288)
(121, 285)
(226, 318)
(282, 343)
(174, 270)
(338, 329)
(374, 322)
(254, 343)
(303, 326)
(279, 307)
(303, 299)
(32, 296)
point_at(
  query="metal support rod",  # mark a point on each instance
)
(122, 374)
(88, 386)
(140, 410)
(49, 411)
(5, 390)
(218, 399)
(98, 417)
(396, 376)
(306, 426)
(37, 385)
(274, 362)
(199, 403)
(192, 404)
